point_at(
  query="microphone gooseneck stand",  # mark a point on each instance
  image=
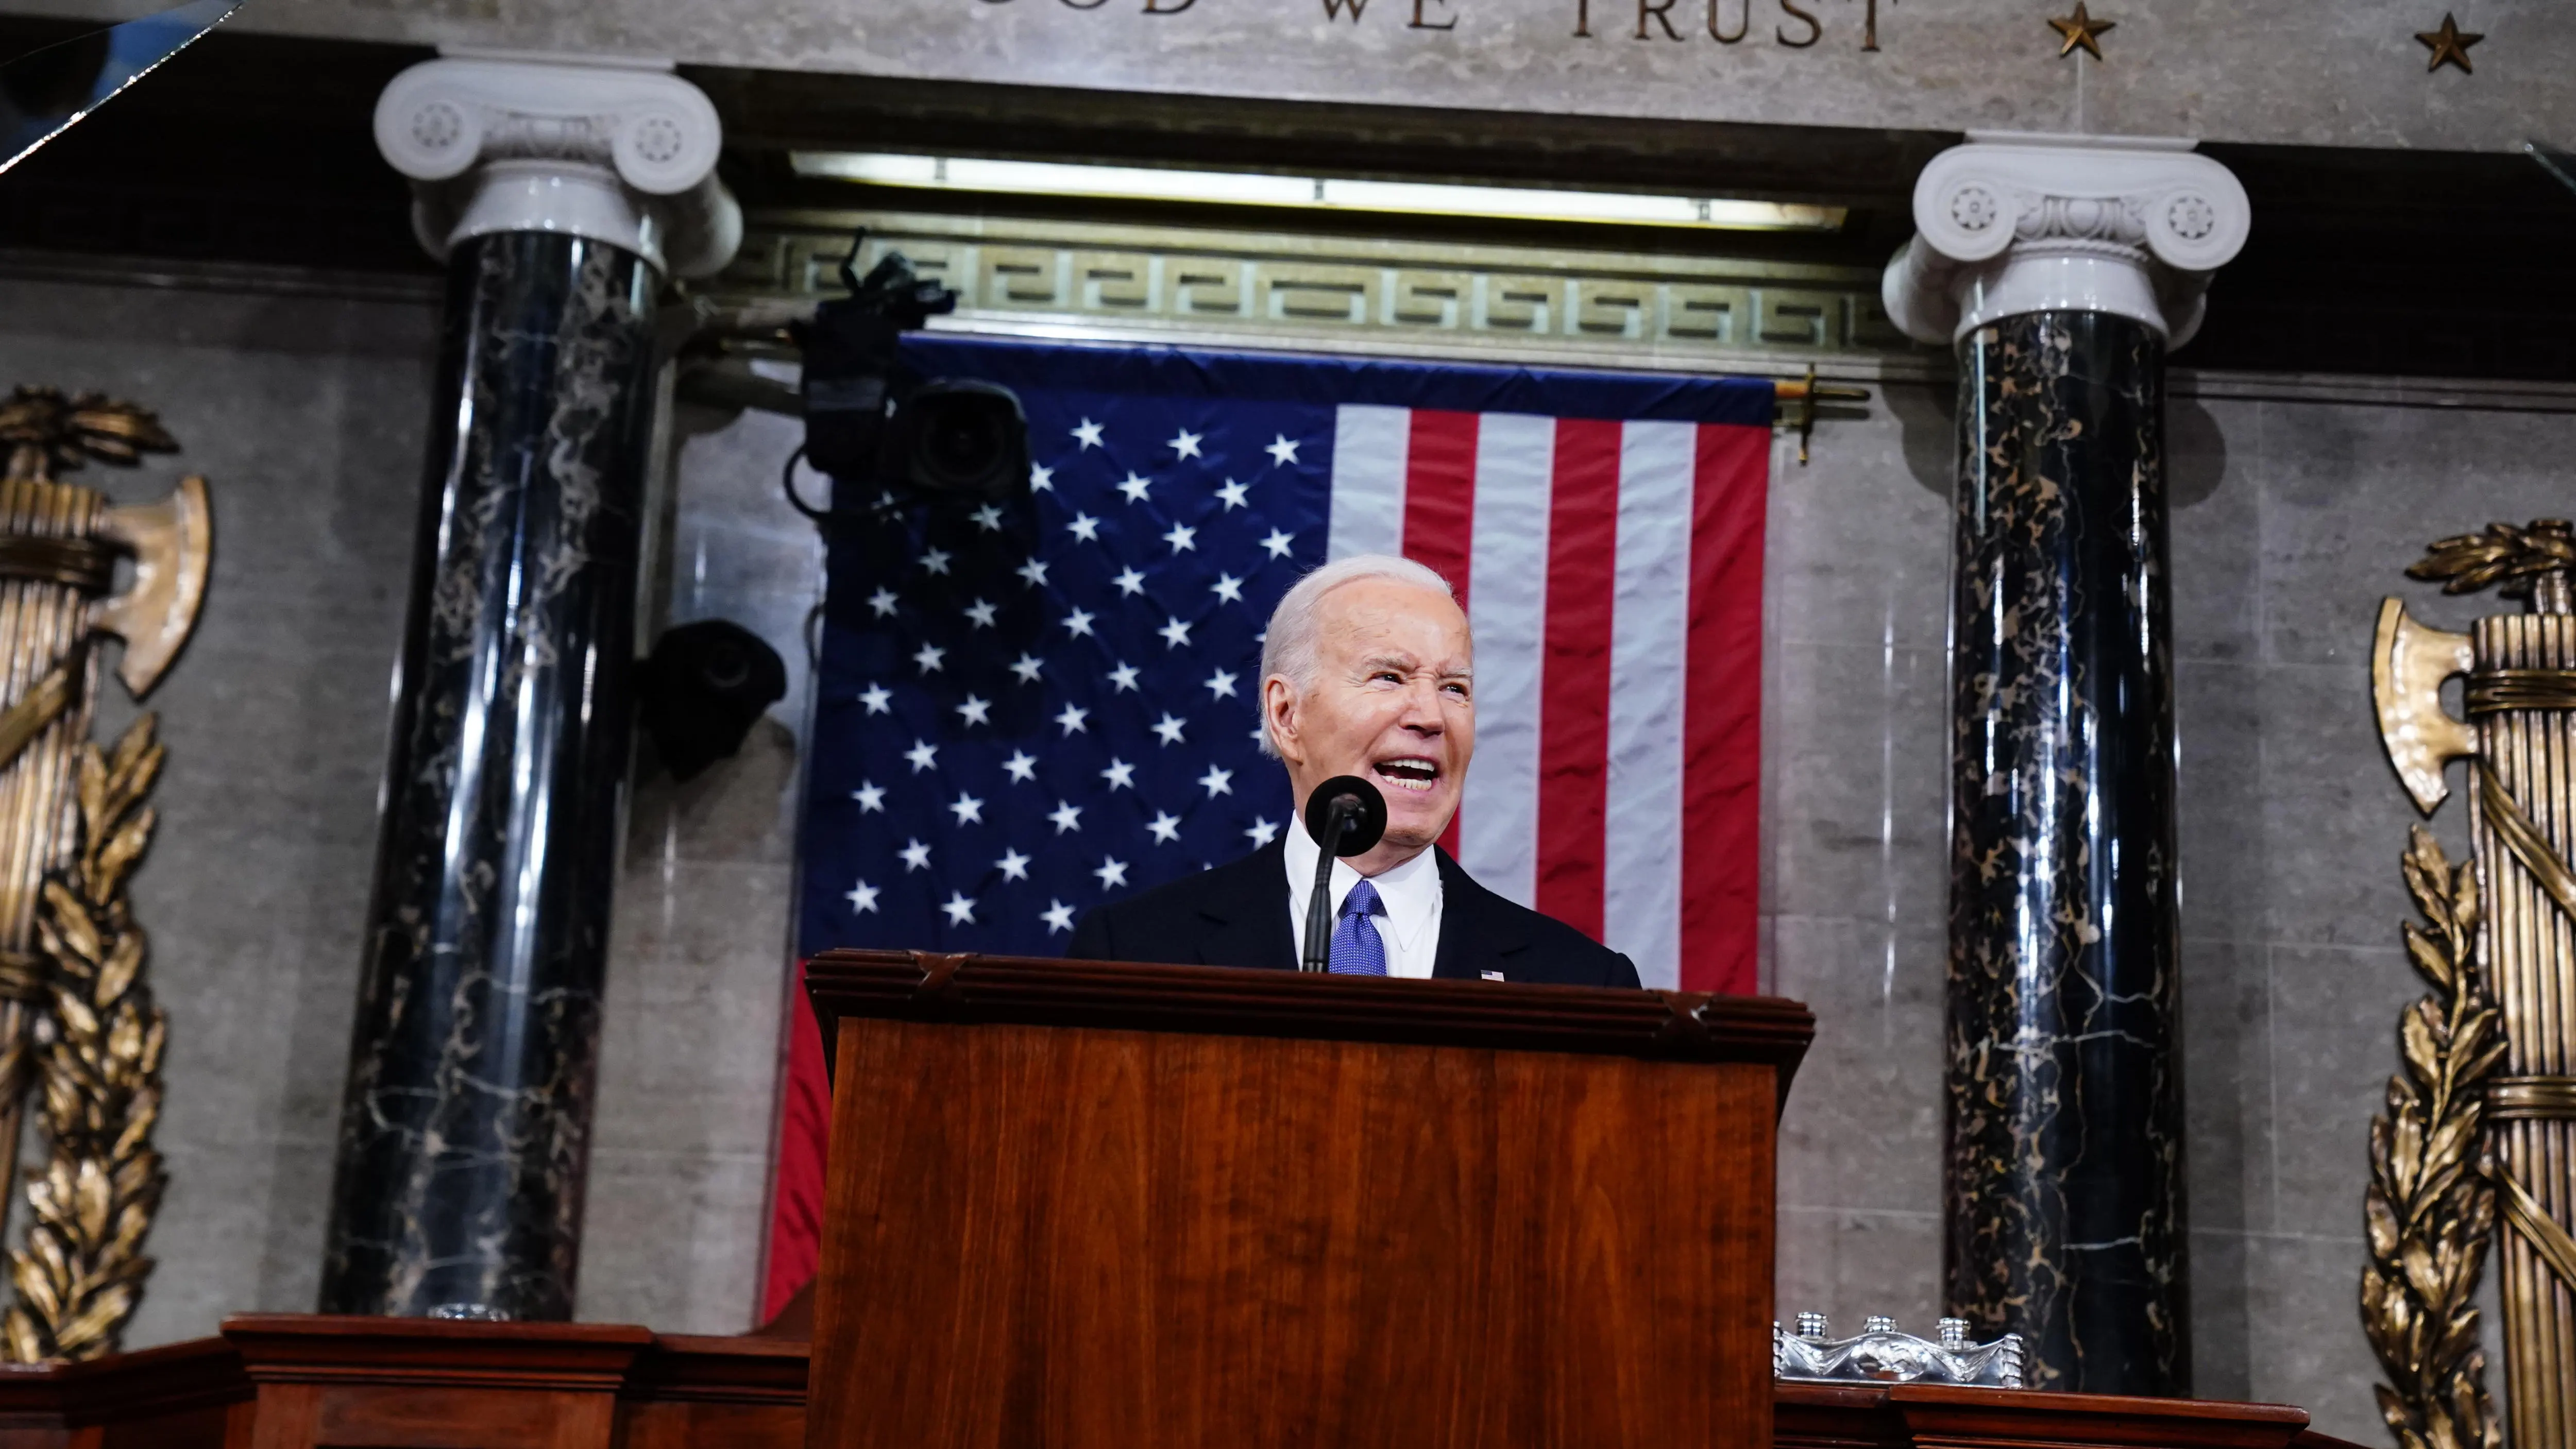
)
(1319, 905)
(1346, 816)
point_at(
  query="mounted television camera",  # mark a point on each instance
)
(870, 421)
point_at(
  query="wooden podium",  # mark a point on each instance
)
(1084, 1205)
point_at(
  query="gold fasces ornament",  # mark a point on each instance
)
(171, 541)
(2455, 1116)
(77, 1022)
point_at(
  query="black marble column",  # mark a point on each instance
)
(466, 1126)
(2063, 1182)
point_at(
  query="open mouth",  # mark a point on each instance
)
(1407, 772)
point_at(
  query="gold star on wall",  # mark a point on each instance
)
(2081, 29)
(2450, 45)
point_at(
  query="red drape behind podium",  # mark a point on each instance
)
(796, 1191)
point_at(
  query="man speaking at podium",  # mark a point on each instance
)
(1367, 670)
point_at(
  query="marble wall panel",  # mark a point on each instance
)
(2334, 1043)
(1845, 562)
(2222, 1336)
(2213, 526)
(1856, 759)
(2228, 1057)
(2303, 1342)
(1885, 1261)
(2225, 867)
(665, 1238)
(2348, 487)
(1871, 1144)
(1857, 763)
(2333, 820)
(699, 951)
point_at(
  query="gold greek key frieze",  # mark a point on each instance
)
(1315, 288)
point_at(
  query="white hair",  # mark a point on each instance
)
(1288, 647)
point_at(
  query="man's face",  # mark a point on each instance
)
(1391, 704)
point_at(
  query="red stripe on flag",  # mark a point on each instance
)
(1574, 710)
(1722, 711)
(1440, 510)
(1440, 495)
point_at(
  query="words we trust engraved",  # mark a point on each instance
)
(1792, 25)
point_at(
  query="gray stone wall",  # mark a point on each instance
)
(2295, 506)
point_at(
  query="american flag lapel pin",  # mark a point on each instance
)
(1493, 976)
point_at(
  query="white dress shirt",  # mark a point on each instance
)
(1410, 924)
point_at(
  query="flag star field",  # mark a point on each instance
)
(1027, 711)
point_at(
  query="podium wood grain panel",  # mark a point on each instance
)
(1091, 1236)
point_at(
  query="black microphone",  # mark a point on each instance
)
(1346, 815)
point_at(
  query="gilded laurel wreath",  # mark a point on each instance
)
(2431, 1207)
(66, 429)
(2503, 554)
(81, 1273)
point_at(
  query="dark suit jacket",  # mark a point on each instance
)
(1237, 915)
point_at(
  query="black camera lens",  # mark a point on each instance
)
(727, 665)
(960, 445)
(702, 688)
(965, 440)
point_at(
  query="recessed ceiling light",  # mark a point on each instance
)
(1316, 193)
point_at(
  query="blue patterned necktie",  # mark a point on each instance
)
(1357, 948)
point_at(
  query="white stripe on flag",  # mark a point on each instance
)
(1642, 851)
(1507, 608)
(1371, 447)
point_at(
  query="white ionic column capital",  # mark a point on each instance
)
(622, 152)
(2012, 223)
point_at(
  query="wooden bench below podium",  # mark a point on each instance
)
(308, 1382)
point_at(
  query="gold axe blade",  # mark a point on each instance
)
(2408, 663)
(173, 543)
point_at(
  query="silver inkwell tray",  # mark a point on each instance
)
(1884, 1356)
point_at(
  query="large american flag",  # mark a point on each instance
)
(1025, 712)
